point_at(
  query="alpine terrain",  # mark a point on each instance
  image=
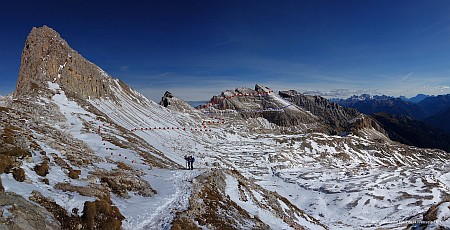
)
(82, 150)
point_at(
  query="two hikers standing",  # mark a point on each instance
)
(189, 162)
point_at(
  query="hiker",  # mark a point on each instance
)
(192, 159)
(186, 158)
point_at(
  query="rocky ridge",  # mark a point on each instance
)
(375, 104)
(336, 117)
(263, 102)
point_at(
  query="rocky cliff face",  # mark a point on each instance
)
(57, 92)
(333, 115)
(47, 57)
(262, 102)
(363, 122)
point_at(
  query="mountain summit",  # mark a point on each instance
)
(47, 57)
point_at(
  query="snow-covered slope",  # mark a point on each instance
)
(107, 157)
(314, 172)
(92, 156)
(328, 173)
(127, 135)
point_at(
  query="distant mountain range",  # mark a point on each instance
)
(378, 104)
(416, 99)
(432, 110)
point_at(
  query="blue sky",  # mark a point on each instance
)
(196, 49)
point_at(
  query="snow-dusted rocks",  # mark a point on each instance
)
(335, 117)
(437, 217)
(262, 102)
(225, 199)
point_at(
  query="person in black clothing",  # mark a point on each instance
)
(186, 158)
(192, 159)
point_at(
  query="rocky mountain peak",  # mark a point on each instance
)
(47, 57)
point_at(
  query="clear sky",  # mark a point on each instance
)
(196, 49)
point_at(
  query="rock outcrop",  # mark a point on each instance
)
(262, 102)
(47, 57)
(35, 125)
(23, 214)
(175, 103)
(335, 117)
(211, 206)
(364, 122)
(436, 217)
